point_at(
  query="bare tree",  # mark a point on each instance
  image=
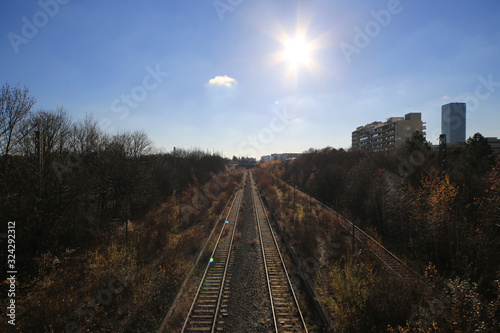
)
(51, 130)
(15, 107)
(87, 137)
(132, 144)
(141, 144)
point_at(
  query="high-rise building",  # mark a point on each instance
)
(379, 136)
(453, 122)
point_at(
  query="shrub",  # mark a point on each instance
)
(347, 293)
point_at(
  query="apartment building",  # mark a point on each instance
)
(391, 134)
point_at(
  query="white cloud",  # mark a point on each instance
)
(223, 81)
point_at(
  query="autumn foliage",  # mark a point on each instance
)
(443, 223)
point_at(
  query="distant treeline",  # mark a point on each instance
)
(66, 183)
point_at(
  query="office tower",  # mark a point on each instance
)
(453, 122)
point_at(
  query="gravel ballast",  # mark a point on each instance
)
(247, 300)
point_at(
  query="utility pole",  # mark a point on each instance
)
(39, 143)
(39, 153)
(310, 211)
(126, 226)
(180, 200)
(177, 164)
(275, 177)
(442, 155)
(353, 239)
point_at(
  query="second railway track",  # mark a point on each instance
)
(205, 314)
(287, 316)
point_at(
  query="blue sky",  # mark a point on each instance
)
(213, 74)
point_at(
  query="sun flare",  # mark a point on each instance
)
(297, 52)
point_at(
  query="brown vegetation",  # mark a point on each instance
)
(425, 217)
(111, 286)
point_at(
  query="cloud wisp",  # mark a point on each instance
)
(222, 81)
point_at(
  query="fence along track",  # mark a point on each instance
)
(204, 311)
(388, 258)
(285, 308)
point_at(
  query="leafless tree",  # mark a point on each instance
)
(132, 144)
(51, 130)
(15, 107)
(87, 137)
(141, 144)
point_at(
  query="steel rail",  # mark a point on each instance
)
(227, 260)
(264, 256)
(275, 242)
(214, 319)
(174, 303)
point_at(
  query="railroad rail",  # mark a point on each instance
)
(392, 262)
(205, 314)
(287, 316)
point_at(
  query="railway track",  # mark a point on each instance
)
(287, 316)
(206, 312)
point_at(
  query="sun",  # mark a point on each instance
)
(297, 52)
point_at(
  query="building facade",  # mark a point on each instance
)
(391, 134)
(453, 122)
(279, 157)
(495, 146)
